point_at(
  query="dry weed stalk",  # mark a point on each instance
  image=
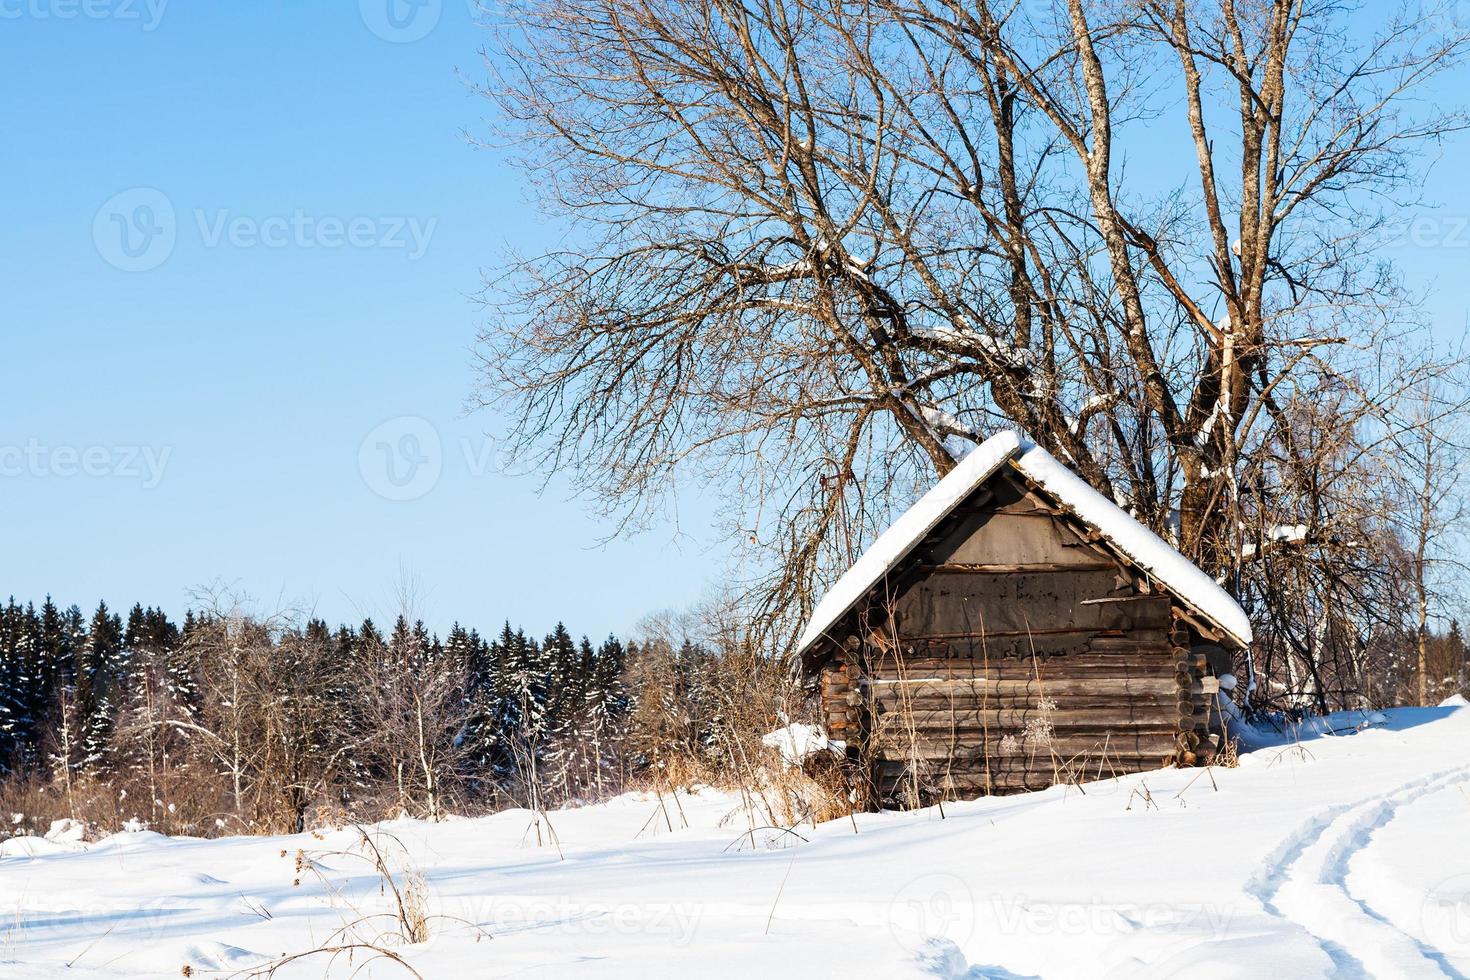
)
(365, 934)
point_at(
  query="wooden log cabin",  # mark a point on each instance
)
(1015, 629)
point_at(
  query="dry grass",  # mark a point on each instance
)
(365, 936)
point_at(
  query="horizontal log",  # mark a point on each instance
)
(965, 783)
(939, 652)
(1005, 782)
(972, 751)
(1130, 644)
(1050, 682)
(1044, 769)
(968, 784)
(976, 785)
(1035, 762)
(1111, 718)
(894, 736)
(897, 743)
(1039, 634)
(894, 703)
(974, 744)
(1092, 753)
(1163, 706)
(998, 754)
(889, 730)
(937, 686)
(975, 643)
(1090, 664)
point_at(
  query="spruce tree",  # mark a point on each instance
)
(564, 682)
(100, 681)
(26, 691)
(10, 710)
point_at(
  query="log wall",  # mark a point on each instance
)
(1012, 651)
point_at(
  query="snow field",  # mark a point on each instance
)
(1342, 856)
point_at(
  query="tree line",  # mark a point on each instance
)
(230, 722)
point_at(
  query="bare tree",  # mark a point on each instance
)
(1429, 461)
(416, 714)
(267, 725)
(817, 248)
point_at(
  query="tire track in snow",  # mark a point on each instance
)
(1375, 901)
(1303, 881)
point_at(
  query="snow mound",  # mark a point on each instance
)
(67, 831)
(1273, 731)
(31, 847)
(798, 742)
(203, 958)
(221, 956)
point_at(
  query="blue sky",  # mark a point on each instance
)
(330, 224)
(240, 249)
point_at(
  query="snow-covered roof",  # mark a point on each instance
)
(1137, 543)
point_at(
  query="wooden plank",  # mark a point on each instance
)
(942, 604)
(1017, 568)
(989, 534)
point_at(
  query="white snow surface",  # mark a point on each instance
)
(798, 742)
(1342, 856)
(1137, 542)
